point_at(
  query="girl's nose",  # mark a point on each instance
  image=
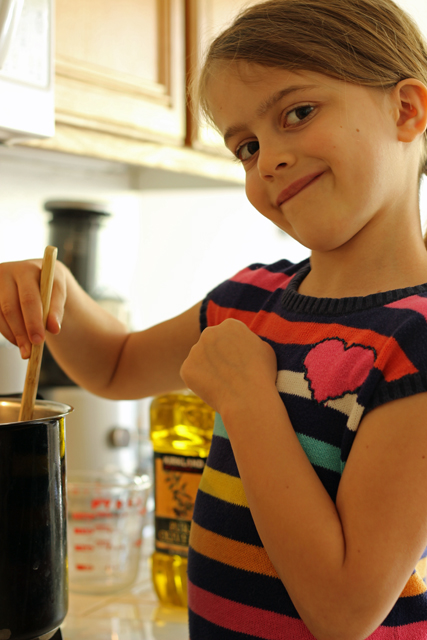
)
(273, 158)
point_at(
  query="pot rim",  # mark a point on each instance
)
(56, 410)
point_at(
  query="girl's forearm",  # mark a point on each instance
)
(89, 344)
(99, 353)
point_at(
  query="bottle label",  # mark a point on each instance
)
(176, 481)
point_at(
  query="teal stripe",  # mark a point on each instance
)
(321, 453)
(219, 428)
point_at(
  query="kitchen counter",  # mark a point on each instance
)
(131, 614)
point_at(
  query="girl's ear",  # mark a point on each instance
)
(411, 100)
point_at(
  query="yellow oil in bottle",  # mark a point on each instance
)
(181, 434)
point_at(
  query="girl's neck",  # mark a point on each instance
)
(367, 265)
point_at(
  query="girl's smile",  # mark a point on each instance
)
(297, 186)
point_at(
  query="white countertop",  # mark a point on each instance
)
(131, 614)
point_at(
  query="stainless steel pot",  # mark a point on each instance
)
(33, 540)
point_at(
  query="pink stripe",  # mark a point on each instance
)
(262, 278)
(416, 303)
(414, 631)
(274, 626)
(245, 619)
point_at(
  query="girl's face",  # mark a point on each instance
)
(321, 156)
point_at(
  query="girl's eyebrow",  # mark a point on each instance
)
(266, 106)
(272, 100)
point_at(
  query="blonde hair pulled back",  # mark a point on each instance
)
(367, 42)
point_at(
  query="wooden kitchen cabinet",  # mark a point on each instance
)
(121, 75)
(120, 67)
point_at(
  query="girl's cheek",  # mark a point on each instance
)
(255, 190)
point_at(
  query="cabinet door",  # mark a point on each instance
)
(205, 20)
(120, 67)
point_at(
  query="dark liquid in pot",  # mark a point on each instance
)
(33, 545)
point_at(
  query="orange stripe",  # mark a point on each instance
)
(273, 327)
(414, 587)
(235, 554)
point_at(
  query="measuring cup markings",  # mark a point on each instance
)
(82, 516)
(81, 530)
(97, 502)
(117, 503)
(104, 527)
(85, 567)
(83, 547)
(104, 543)
(92, 516)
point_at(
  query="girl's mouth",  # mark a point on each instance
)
(296, 187)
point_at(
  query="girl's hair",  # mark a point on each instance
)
(368, 42)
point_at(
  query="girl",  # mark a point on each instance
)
(311, 517)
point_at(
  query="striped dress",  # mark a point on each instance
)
(337, 360)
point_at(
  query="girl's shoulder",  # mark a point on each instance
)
(248, 289)
(269, 276)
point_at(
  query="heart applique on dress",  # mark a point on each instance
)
(332, 368)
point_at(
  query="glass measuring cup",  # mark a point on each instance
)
(106, 515)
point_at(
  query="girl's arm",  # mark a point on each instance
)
(345, 564)
(93, 347)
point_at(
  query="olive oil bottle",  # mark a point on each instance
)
(181, 434)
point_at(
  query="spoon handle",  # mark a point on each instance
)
(34, 363)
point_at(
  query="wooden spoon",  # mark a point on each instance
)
(34, 363)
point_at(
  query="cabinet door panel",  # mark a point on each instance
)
(92, 36)
(120, 67)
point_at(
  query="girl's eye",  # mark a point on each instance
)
(298, 114)
(247, 150)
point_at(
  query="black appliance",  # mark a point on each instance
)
(74, 230)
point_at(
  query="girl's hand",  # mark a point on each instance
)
(228, 364)
(21, 313)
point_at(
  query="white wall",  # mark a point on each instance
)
(418, 10)
(29, 177)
